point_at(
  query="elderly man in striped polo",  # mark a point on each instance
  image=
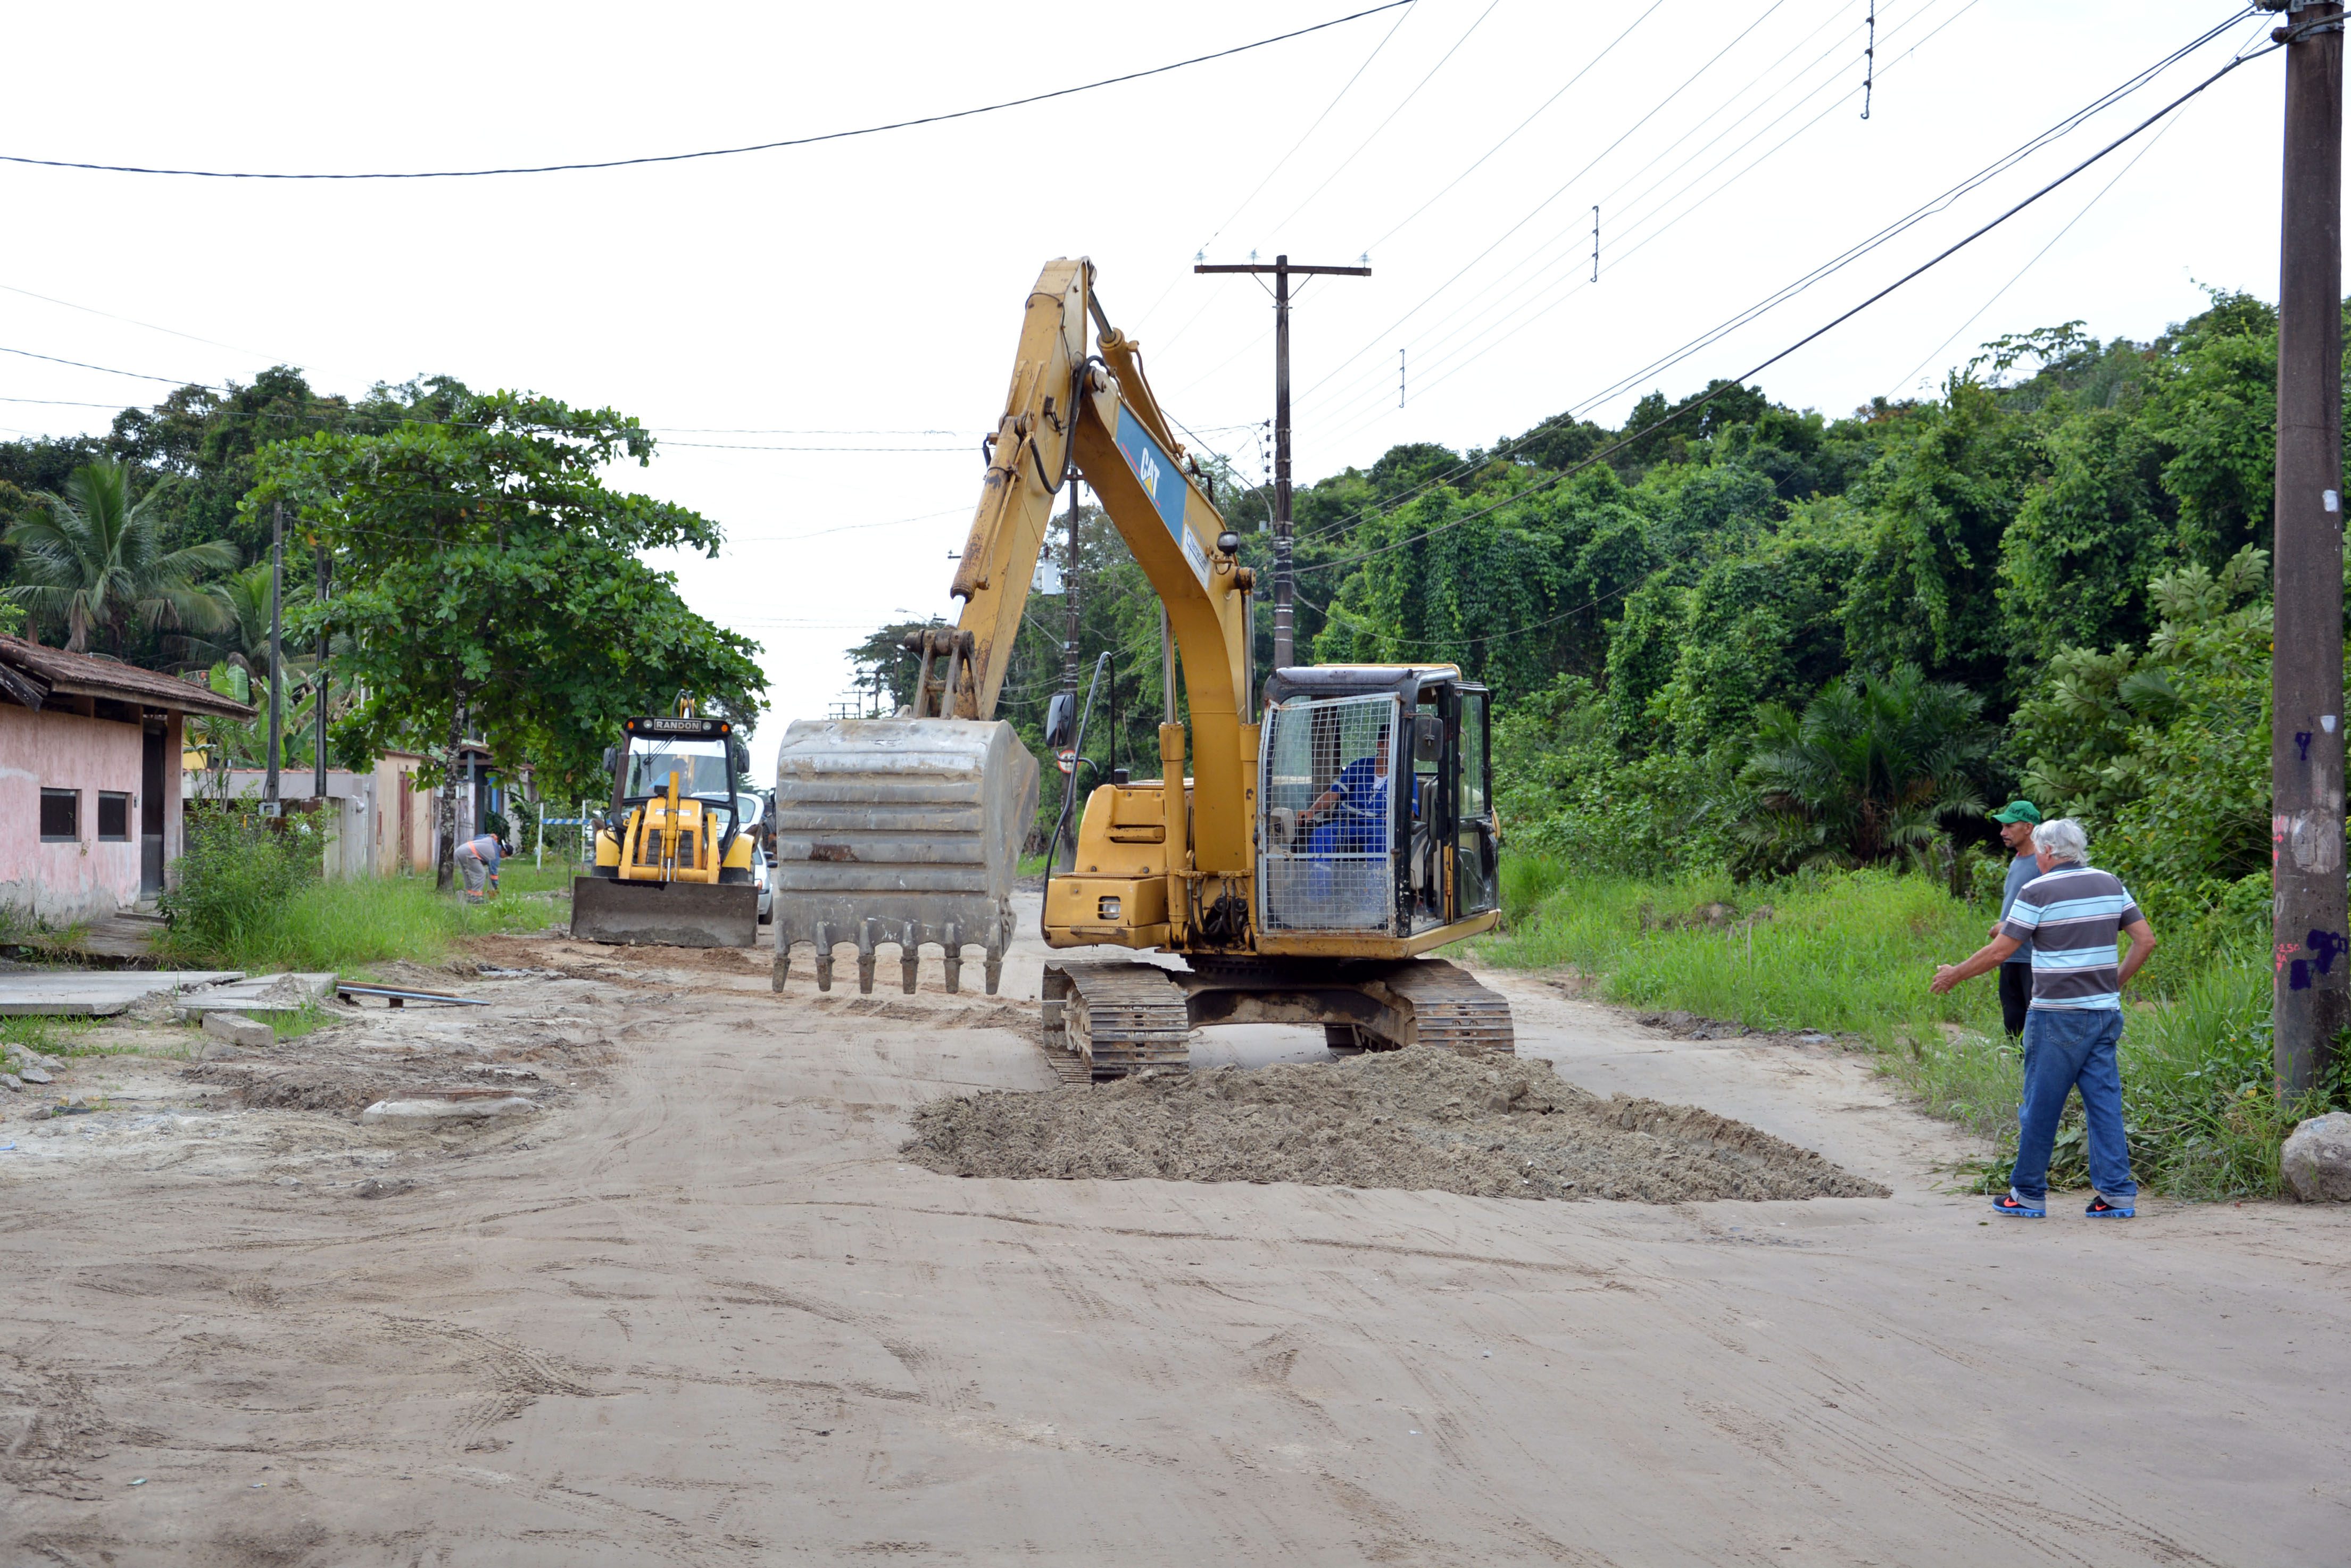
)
(2070, 914)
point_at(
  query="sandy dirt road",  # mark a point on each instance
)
(697, 1312)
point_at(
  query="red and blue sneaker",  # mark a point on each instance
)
(2101, 1209)
(2008, 1202)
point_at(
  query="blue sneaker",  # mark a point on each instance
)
(2008, 1202)
(2101, 1209)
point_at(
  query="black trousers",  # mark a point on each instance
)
(2015, 996)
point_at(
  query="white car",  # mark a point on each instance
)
(765, 885)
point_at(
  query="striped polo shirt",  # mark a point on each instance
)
(2071, 917)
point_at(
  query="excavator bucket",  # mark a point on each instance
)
(899, 831)
(665, 913)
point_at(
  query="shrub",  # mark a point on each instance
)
(236, 875)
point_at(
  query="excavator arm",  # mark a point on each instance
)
(907, 830)
(1094, 415)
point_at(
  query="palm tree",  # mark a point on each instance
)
(96, 560)
(240, 636)
(1868, 773)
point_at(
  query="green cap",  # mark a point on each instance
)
(2018, 812)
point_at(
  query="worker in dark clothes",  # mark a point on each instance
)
(2017, 820)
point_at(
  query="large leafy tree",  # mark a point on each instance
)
(93, 559)
(491, 582)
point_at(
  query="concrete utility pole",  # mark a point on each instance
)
(2306, 668)
(277, 636)
(1283, 649)
(319, 688)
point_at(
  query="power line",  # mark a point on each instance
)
(712, 153)
(105, 370)
(1943, 201)
(1701, 399)
(2002, 291)
(1547, 201)
(2114, 95)
(1621, 226)
(1282, 162)
(1623, 254)
(1399, 108)
(149, 326)
(1521, 125)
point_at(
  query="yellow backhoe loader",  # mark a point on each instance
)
(674, 857)
(1334, 826)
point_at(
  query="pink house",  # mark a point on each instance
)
(89, 778)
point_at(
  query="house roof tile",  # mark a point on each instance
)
(29, 672)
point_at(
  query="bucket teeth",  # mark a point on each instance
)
(874, 938)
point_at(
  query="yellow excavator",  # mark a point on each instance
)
(674, 857)
(1334, 827)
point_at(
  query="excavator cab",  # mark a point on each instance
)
(1376, 819)
(674, 858)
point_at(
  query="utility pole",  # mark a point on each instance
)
(1283, 649)
(318, 688)
(2308, 1007)
(277, 643)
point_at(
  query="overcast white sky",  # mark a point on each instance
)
(833, 324)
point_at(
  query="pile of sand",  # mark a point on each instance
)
(1418, 1119)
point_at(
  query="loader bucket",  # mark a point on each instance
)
(665, 913)
(899, 831)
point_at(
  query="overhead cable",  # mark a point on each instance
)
(1282, 162)
(1351, 396)
(1701, 399)
(2135, 82)
(710, 153)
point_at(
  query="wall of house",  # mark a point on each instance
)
(396, 771)
(366, 817)
(58, 750)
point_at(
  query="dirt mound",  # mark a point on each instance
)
(1418, 1119)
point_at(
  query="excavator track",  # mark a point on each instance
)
(1451, 1009)
(1116, 1019)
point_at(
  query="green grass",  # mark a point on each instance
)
(48, 1034)
(1847, 953)
(1852, 952)
(345, 925)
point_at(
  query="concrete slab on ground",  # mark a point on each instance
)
(281, 993)
(99, 993)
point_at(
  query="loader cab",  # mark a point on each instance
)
(713, 836)
(1376, 812)
(701, 754)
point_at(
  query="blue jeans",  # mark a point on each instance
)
(2066, 1050)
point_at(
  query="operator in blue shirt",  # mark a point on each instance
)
(1355, 807)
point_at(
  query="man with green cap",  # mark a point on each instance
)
(2017, 820)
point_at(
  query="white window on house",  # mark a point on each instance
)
(61, 816)
(113, 818)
